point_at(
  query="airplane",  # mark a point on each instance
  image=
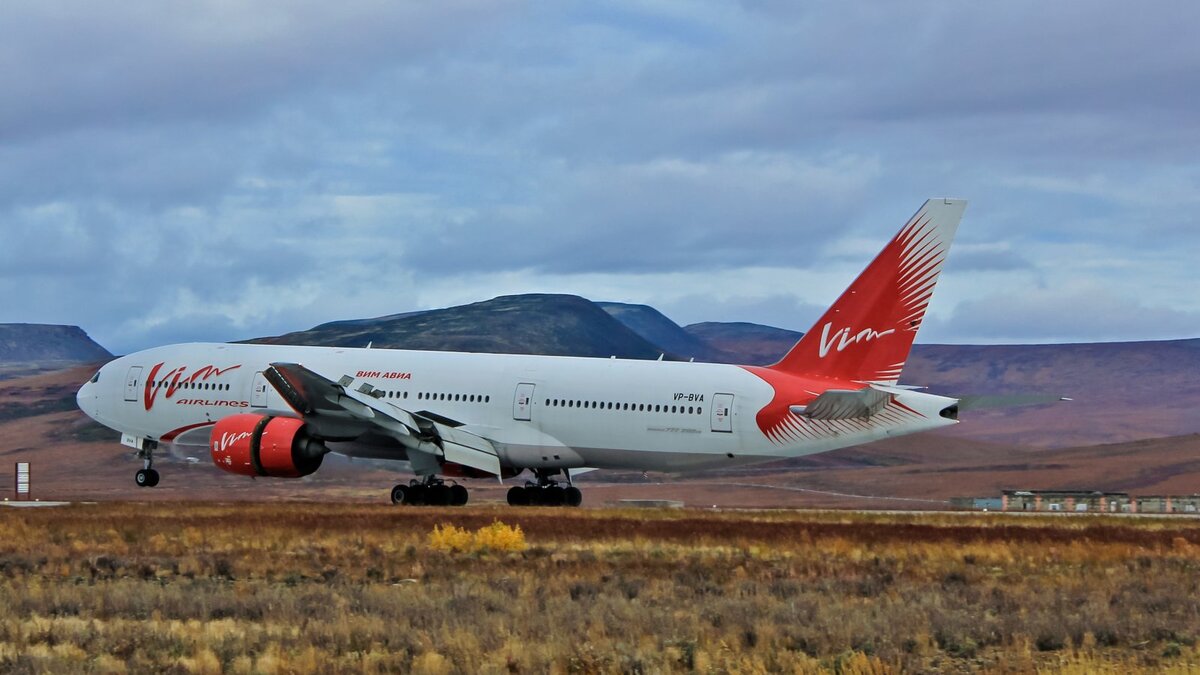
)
(277, 410)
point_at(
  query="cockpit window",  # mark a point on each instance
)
(96, 377)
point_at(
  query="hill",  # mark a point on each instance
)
(556, 325)
(29, 347)
(75, 458)
(657, 329)
(1122, 391)
(749, 344)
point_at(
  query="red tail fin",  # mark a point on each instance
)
(867, 334)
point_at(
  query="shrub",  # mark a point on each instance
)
(449, 538)
(494, 537)
(500, 537)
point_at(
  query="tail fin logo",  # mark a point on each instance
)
(843, 338)
(866, 335)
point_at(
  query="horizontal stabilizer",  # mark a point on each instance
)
(845, 404)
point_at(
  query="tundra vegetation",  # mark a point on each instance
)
(316, 587)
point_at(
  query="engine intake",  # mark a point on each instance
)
(257, 445)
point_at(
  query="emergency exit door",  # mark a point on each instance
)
(258, 392)
(523, 402)
(722, 413)
(131, 383)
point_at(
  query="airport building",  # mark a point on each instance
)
(1073, 501)
(1169, 504)
(1081, 501)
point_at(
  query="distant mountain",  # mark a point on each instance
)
(749, 344)
(75, 458)
(557, 325)
(657, 329)
(1121, 391)
(26, 343)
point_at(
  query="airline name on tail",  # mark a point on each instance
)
(843, 337)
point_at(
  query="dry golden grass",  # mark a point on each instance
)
(276, 588)
(494, 538)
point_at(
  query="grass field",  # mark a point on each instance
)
(311, 587)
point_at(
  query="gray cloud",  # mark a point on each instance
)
(1066, 314)
(85, 65)
(660, 215)
(167, 171)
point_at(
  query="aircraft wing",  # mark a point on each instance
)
(844, 404)
(334, 409)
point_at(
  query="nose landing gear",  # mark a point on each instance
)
(146, 476)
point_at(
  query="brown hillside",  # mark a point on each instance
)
(73, 458)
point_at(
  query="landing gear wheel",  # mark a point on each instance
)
(458, 495)
(417, 495)
(438, 495)
(573, 496)
(554, 495)
(146, 478)
(518, 496)
(400, 494)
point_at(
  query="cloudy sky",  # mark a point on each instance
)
(221, 170)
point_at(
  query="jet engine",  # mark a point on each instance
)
(258, 445)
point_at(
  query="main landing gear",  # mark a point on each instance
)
(146, 476)
(545, 492)
(430, 491)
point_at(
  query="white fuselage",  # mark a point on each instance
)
(538, 411)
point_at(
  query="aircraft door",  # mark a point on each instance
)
(722, 413)
(523, 402)
(131, 383)
(258, 393)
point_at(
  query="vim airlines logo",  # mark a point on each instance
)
(228, 440)
(178, 378)
(843, 337)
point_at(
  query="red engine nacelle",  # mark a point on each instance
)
(257, 445)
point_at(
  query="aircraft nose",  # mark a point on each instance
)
(85, 398)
